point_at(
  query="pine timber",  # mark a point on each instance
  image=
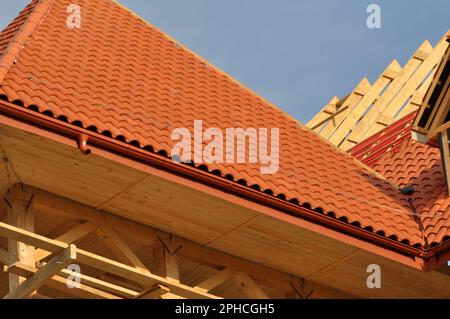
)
(397, 92)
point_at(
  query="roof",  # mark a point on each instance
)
(122, 77)
(407, 163)
(418, 165)
(369, 108)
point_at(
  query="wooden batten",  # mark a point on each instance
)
(396, 93)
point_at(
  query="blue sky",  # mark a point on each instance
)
(296, 53)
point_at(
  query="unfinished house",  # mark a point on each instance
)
(93, 205)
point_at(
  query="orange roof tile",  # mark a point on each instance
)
(124, 78)
(419, 166)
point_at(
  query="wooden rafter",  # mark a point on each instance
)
(445, 154)
(249, 286)
(341, 131)
(433, 109)
(395, 94)
(69, 237)
(216, 280)
(122, 249)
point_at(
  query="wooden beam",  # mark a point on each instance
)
(18, 215)
(432, 134)
(411, 86)
(171, 296)
(155, 292)
(122, 249)
(216, 280)
(133, 274)
(358, 111)
(45, 202)
(324, 115)
(359, 133)
(30, 238)
(99, 262)
(39, 278)
(444, 107)
(60, 283)
(70, 237)
(249, 286)
(4, 256)
(445, 153)
(165, 261)
(102, 285)
(353, 99)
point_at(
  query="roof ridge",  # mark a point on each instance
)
(17, 42)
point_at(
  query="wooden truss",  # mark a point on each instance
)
(370, 108)
(432, 124)
(432, 118)
(35, 261)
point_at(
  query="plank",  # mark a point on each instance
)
(60, 283)
(446, 154)
(31, 238)
(102, 285)
(357, 112)
(249, 286)
(69, 237)
(45, 202)
(121, 248)
(416, 100)
(440, 113)
(39, 278)
(353, 99)
(133, 274)
(407, 91)
(102, 263)
(216, 280)
(426, 102)
(153, 293)
(359, 132)
(326, 114)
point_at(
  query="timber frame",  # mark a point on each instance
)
(34, 262)
(397, 92)
(432, 123)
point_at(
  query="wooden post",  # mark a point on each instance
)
(18, 215)
(165, 262)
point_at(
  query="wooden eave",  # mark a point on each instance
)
(225, 222)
